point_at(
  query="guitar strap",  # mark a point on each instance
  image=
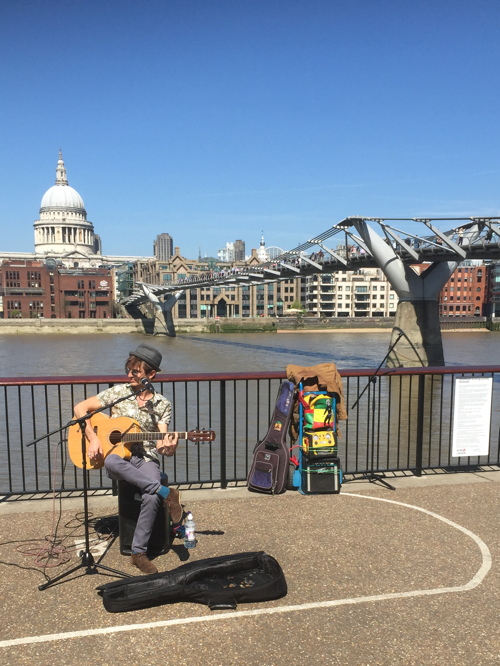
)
(152, 413)
(154, 419)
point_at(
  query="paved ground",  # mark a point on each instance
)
(374, 576)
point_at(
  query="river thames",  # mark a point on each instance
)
(73, 354)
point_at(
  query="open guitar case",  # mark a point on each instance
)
(219, 582)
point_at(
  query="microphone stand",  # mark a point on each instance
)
(87, 560)
(371, 475)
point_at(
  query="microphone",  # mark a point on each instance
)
(147, 385)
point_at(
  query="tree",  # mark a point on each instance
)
(297, 305)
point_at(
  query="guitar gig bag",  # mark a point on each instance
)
(269, 470)
(219, 582)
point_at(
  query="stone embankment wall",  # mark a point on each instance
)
(247, 325)
(334, 323)
(78, 326)
(65, 326)
(23, 326)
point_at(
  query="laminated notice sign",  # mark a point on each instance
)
(471, 416)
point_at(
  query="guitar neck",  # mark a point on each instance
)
(153, 436)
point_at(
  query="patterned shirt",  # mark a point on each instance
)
(155, 411)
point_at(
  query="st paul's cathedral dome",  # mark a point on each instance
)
(63, 229)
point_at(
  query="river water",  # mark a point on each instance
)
(72, 355)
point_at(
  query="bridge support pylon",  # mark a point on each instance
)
(417, 316)
(166, 310)
(421, 343)
(164, 321)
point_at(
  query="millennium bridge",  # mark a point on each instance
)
(367, 242)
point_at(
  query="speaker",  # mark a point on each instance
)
(129, 506)
(319, 444)
(321, 476)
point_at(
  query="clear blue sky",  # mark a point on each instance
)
(214, 120)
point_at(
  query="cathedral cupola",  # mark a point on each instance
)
(63, 227)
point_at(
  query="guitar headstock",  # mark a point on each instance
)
(201, 435)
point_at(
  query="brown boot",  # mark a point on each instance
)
(173, 503)
(142, 562)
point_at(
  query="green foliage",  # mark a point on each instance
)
(297, 305)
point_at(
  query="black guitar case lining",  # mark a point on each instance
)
(219, 582)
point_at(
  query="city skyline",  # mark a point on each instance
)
(214, 121)
(58, 211)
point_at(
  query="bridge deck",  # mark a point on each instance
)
(480, 241)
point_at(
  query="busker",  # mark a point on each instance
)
(152, 412)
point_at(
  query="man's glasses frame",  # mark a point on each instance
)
(135, 373)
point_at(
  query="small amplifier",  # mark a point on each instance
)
(321, 476)
(129, 507)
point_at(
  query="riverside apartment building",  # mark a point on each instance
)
(362, 293)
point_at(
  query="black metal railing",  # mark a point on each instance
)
(399, 421)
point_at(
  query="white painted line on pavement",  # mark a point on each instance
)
(474, 582)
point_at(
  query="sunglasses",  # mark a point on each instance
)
(135, 373)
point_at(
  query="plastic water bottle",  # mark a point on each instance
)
(189, 532)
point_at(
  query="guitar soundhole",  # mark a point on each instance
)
(115, 437)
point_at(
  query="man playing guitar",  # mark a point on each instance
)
(153, 413)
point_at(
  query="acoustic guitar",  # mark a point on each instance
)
(117, 436)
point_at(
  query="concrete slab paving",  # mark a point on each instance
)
(374, 576)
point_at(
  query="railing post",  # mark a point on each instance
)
(420, 425)
(222, 428)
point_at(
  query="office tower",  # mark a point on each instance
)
(163, 247)
(226, 253)
(239, 250)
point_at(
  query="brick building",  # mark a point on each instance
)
(466, 292)
(31, 289)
